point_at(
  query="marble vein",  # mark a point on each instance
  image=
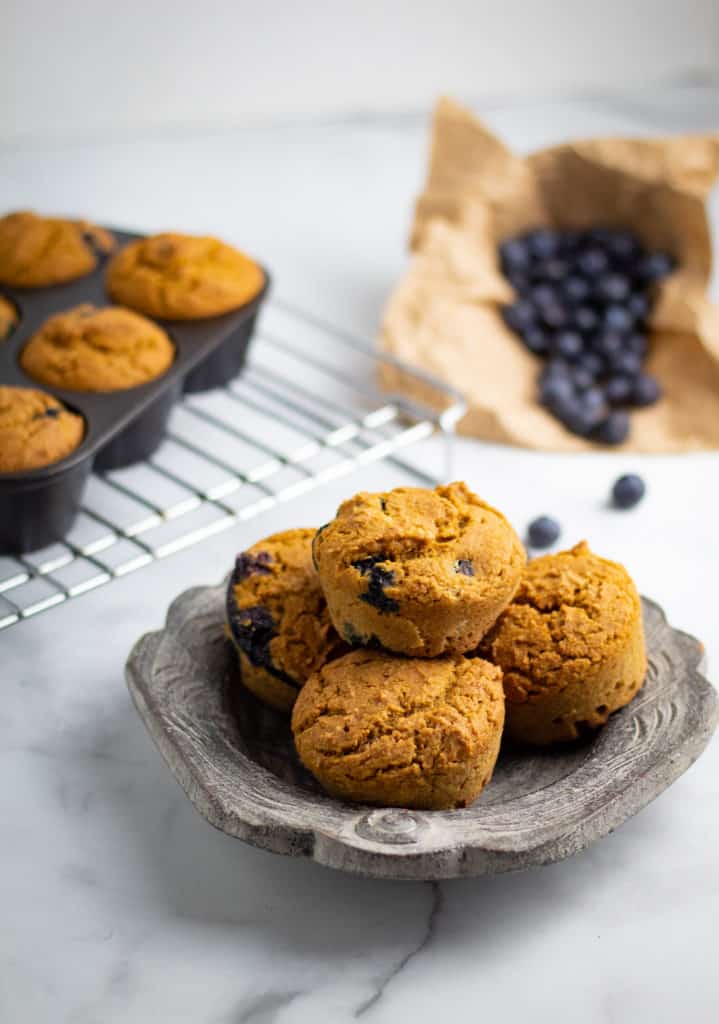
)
(435, 906)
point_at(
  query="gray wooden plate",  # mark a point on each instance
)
(235, 760)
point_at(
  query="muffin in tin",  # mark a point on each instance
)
(277, 617)
(36, 430)
(418, 572)
(183, 277)
(37, 251)
(8, 318)
(408, 732)
(570, 646)
(97, 349)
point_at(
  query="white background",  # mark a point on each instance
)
(92, 66)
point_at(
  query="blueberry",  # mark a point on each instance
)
(623, 245)
(594, 402)
(614, 288)
(553, 270)
(608, 344)
(627, 363)
(618, 390)
(614, 429)
(575, 288)
(519, 315)
(536, 340)
(638, 306)
(637, 342)
(599, 236)
(543, 295)
(654, 267)
(618, 318)
(514, 254)
(379, 578)
(464, 567)
(555, 367)
(646, 390)
(576, 417)
(585, 319)
(520, 281)
(543, 532)
(253, 629)
(593, 261)
(592, 363)
(555, 390)
(628, 491)
(582, 377)
(568, 344)
(247, 564)
(543, 243)
(553, 316)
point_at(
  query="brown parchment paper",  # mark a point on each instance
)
(444, 315)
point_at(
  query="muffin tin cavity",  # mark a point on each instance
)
(123, 426)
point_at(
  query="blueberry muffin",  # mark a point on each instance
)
(183, 277)
(35, 430)
(8, 318)
(403, 732)
(277, 617)
(91, 349)
(37, 251)
(418, 572)
(570, 646)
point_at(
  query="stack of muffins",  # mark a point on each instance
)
(85, 348)
(409, 634)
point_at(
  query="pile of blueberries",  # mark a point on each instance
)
(583, 302)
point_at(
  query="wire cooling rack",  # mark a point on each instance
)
(306, 410)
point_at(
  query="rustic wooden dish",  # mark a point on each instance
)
(235, 760)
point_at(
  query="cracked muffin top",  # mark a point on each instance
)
(183, 277)
(277, 615)
(420, 572)
(570, 646)
(35, 429)
(91, 349)
(404, 732)
(37, 251)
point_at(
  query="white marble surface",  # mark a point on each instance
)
(119, 904)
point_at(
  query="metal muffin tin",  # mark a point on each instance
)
(38, 507)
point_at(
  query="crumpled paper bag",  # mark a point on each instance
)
(444, 316)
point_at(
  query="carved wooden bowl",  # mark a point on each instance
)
(235, 760)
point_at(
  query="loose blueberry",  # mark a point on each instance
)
(520, 281)
(623, 245)
(555, 391)
(543, 295)
(594, 402)
(553, 270)
(575, 289)
(618, 318)
(536, 340)
(638, 306)
(568, 344)
(582, 377)
(654, 267)
(577, 417)
(553, 316)
(646, 390)
(543, 243)
(614, 429)
(608, 344)
(614, 288)
(637, 342)
(514, 254)
(593, 261)
(626, 363)
(543, 532)
(519, 315)
(592, 363)
(585, 319)
(628, 491)
(618, 390)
